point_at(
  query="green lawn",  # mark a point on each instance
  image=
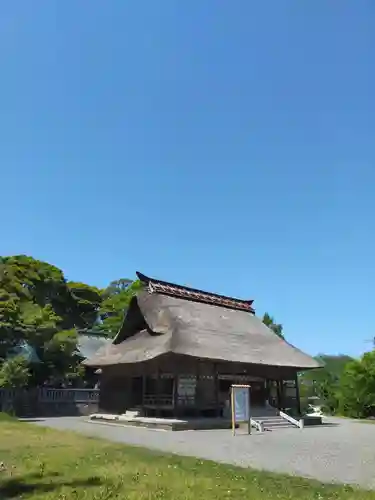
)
(44, 464)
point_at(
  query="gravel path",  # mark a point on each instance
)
(340, 451)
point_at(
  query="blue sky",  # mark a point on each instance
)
(224, 145)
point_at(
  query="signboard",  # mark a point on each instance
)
(186, 389)
(240, 402)
(187, 386)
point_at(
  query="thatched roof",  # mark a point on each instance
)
(89, 343)
(160, 322)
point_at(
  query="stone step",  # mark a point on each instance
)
(265, 417)
(274, 422)
(279, 427)
(283, 423)
(271, 419)
(268, 415)
(133, 413)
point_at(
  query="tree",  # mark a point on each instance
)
(275, 327)
(60, 356)
(86, 301)
(116, 301)
(14, 373)
(38, 306)
(325, 382)
(11, 329)
(116, 287)
(32, 279)
(41, 284)
(357, 387)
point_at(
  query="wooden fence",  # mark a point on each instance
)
(49, 402)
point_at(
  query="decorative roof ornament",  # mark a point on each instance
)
(187, 293)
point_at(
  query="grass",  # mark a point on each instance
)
(44, 464)
(6, 417)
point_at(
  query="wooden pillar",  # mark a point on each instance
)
(216, 390)
(197, 399)
(158, 411)
(266, 392)
(297, 395)
(175, 393)
(280, 394)
(144, 380)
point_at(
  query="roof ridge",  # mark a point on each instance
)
(195, 294)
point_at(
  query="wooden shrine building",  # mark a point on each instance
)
(179, 350)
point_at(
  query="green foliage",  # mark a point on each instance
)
(117, 287)
(344, 385)
(40, 324)
(11, 331)
(325, 382)
(275, 327)
(334, 364)
(32, 279)
(357, 388)
(85, 304)
(39, 307)
(117, 298)
(37, 283)
(14, 373)
(60, 355)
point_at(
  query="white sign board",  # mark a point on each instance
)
(240, 402)
(186, 387)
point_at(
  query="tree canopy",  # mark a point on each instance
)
(275, 327)
(14, 372)
(344, 385)
(40, 307)
(116, 299)
(324, 382)
(356, 393)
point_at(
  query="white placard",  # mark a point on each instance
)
(186, 386)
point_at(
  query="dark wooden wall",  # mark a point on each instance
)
(116, 389)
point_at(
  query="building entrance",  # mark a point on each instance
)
(257, 393)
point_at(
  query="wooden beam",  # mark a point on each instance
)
(298, 395)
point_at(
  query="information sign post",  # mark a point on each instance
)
(240, 405)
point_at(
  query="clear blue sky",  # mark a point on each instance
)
(225, 145)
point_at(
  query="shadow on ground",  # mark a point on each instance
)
(31, 420)
(323, 424)
(14, 487)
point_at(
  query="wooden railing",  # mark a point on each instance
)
(11, 394)
(158, 400)
(186, 400)
(47, 395)
(166, 400)
(292, 420)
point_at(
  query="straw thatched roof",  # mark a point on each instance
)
(89, 343)
(161, 320)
